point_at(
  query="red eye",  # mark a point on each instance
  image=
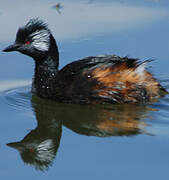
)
(27, 42)
(31, 150)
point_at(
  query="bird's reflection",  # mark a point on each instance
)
(39, 147)
(109, 120)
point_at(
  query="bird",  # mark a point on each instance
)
(101, 79)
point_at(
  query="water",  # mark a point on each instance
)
(46, 140)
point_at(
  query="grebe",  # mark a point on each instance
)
(94, 79)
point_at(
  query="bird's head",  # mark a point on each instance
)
(34, 39)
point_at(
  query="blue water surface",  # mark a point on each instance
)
(48, 140)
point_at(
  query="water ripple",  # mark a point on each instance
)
(135, 118)
(16, 94)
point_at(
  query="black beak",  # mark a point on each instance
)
(13, 47)
(15, 145)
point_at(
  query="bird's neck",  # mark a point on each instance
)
(46, 75)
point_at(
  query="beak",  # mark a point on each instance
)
(13, 47)
(15, 145)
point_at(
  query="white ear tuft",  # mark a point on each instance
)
(40, 40)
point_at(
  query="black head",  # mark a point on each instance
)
(34, 39)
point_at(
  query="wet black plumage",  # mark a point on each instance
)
(94, 79)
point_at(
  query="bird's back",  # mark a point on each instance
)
(108, 79)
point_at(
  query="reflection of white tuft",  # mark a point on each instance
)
(40, 40)
(46, 151)
(45, 145)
